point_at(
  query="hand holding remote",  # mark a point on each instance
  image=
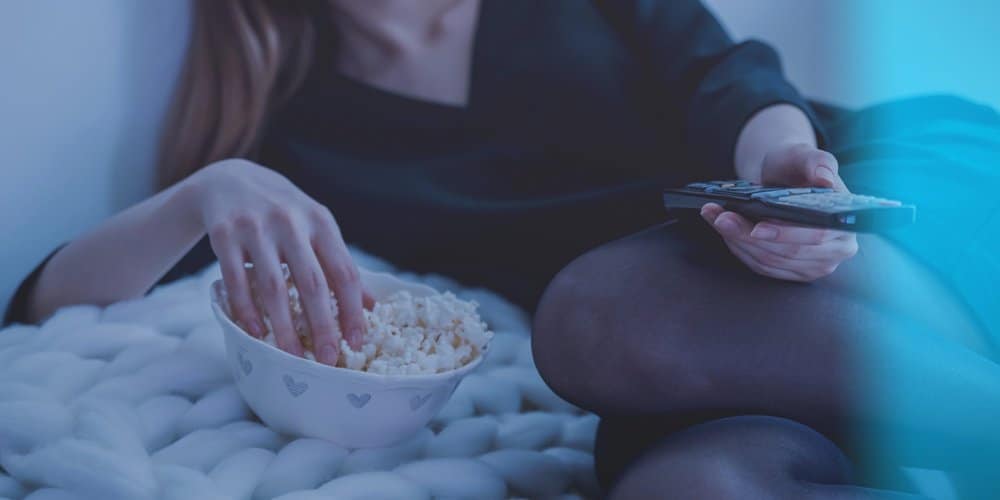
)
(780, 249)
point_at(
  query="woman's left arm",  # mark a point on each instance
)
(777, 146)
(739, 117)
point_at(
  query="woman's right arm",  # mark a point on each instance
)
(123, 257)
(250, 213)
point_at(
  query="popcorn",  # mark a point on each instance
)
(407, 335)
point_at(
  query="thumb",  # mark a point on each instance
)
(802, 165)
(823, 170)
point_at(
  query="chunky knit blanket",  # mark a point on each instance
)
(134, 401)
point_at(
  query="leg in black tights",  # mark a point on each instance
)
(746, 457)
(666, 322)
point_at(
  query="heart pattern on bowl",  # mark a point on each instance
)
(245, 363)
(295, 388)
(359, 400)
(417, 401)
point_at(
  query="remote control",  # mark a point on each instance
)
(820, 207)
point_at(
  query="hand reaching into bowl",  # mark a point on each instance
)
(254, 214)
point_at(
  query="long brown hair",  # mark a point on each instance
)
(244, 57)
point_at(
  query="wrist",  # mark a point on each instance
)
(186, 199)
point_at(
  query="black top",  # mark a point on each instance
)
(579, 113)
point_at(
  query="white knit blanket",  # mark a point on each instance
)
(134, 401)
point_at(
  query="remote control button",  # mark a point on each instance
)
(835, 201)
(743, 189)
(800, 190)
(797, 200)
(776, 193)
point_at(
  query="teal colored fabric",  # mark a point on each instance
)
(942, 154)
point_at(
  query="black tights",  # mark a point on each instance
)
(745, 457)
(664, 330)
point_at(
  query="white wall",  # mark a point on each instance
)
(83, 87)
(799, 29)
(907, 47)
(860, 52)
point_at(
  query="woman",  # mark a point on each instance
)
(495, 141)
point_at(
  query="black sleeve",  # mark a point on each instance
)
(712, 84)
(17, 310)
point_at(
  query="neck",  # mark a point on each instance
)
(392, 26)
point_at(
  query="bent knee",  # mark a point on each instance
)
(603, 324)
(564, 330)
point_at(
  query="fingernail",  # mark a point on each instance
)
(328, 354)
(258, 328)
(251, 327)
(826, 173)
(725, 224)
(764, 233)
(355, 335)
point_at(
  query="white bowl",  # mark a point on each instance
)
(354, 409)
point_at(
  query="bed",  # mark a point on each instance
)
(134, 401)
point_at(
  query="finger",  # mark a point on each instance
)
(803, 165)
(234, 276)
(806, 270)
(782, 232)
(274, 295)
(786, 166)
(736, 229)
(733, 226)
(728, 225)
(344, 278)
(758, 265)
(367, 300)
(314, 294)
(710, 211)
(823, 170)
(801, 244)
(835, 250)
